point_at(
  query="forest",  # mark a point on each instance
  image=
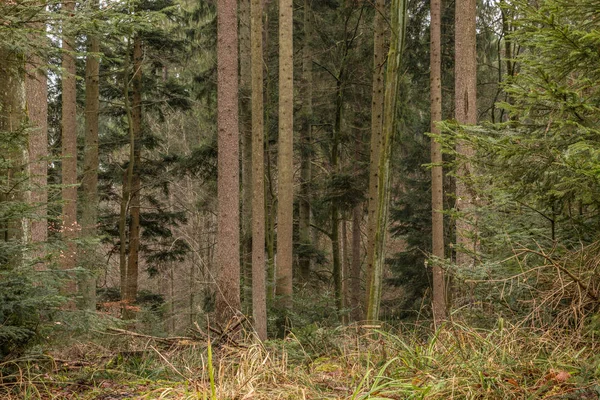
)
(299, 199)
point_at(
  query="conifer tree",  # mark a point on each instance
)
(228, 235)
(69, 226)
(259, 289)
(437, 186)
(285, 161)
(465, 95)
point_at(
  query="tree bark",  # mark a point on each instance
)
(69, 227)
(465, 113)
(338, 272)
(285, 193)
(134, 202)
(437, 187)
(398, 23)
(376, 137)
(89, 181)
(305, 147)
(36, 95)
(246, 135)
(259, 303)
(354, 273)
(228, 234)
(12, 112)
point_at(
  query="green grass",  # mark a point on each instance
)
(455, 362)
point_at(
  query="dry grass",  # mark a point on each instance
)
(454, 362)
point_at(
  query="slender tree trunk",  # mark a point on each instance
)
(134, 202)
(89, 181)
(437, 185)
(338, 277)
(69, 154)
(398, 23)
(12, 107)
(345, 271)
(246, 135)
(228, 234)
(259, 303)
(123, 236)
(376, 138)
(354, 282)
(466, 113)
(36, 95)
(285, 160)
(126, 196)
(354, 273)
(305, 147)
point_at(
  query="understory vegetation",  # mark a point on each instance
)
(352, 362)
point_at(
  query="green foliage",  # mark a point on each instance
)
(536, 185)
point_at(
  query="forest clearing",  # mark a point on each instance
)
(299, 199)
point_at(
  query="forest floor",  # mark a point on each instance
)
(343, 363)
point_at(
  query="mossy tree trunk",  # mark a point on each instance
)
(398, 23)
(376, 135)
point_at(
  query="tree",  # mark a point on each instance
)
(69, 226)
(305, 147)
(228, 236)
(36, 96)
(398, 24)
(246, 142)
(89, 180)
(285, 160)
(134, 179)
(465, 95)
(377, 96)
(437, 185)
(259, 289)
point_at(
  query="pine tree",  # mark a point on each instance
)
(228, 238)
(465, 95)
(89, 180)
(69, 226)
(285, 160)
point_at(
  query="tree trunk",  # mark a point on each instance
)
(12, 107)
(246, 134)
(259, 303)
(36, 95)
(437, 188)
(134, 203)
(89, 181)
(376, 137)
(466, 113)
(126, 196)
(285, 160)
(398, 23)
(305, 147)
(228, 234)
(354, 273)
(69, 154)
(345, 271)
(338, 277)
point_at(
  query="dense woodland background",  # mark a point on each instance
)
(291, 168)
